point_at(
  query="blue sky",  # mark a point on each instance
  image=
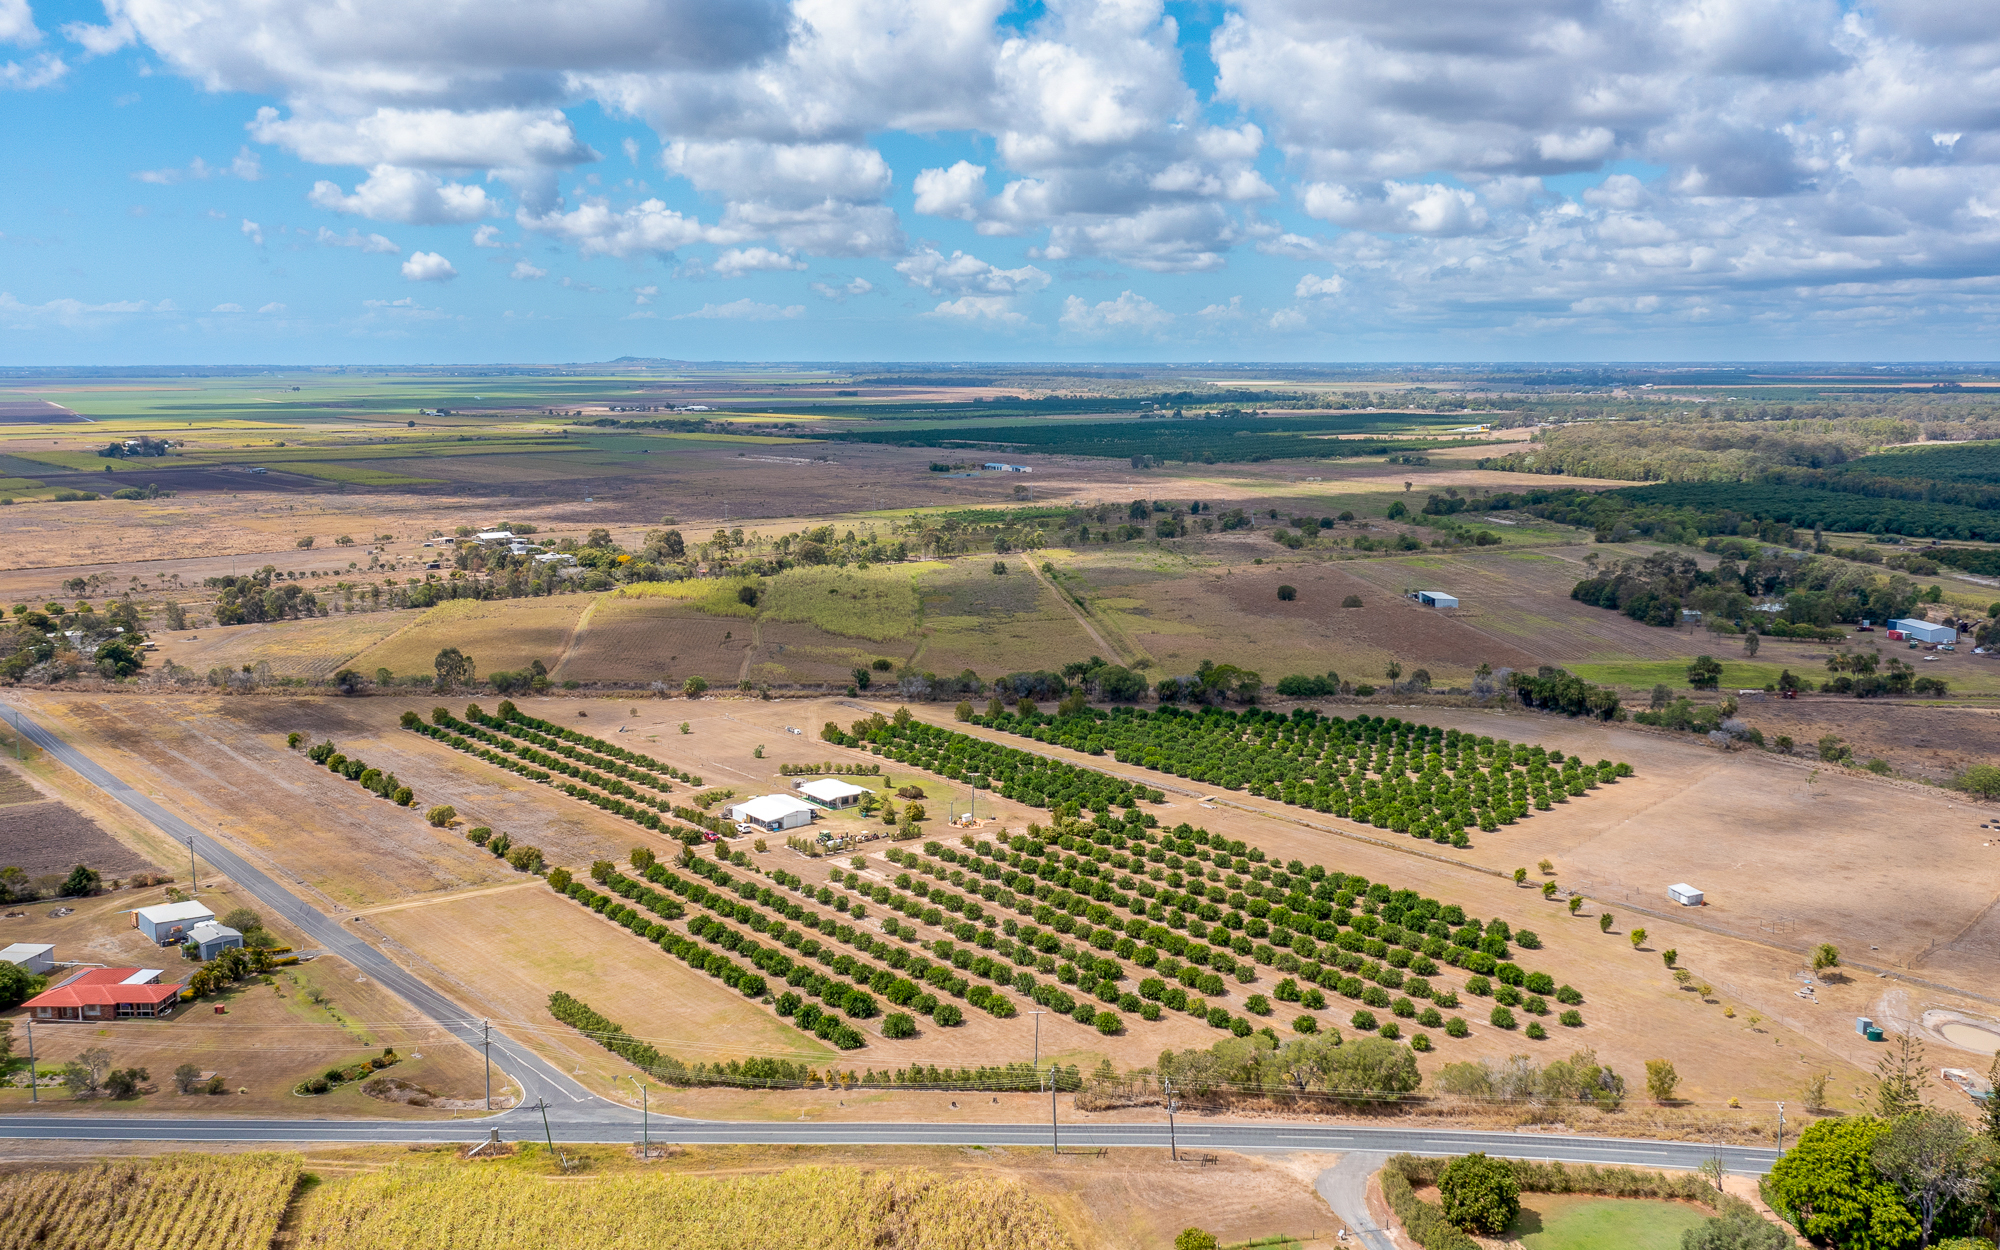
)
(228, 181)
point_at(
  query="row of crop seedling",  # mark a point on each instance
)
(568, 751)
(443, 719)
(513, 715)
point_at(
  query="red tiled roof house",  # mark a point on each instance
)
(99, 994)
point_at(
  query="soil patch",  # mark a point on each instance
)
(50, 838)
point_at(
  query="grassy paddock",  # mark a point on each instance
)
(879, 605)
(713, 596)
(1577, 1222)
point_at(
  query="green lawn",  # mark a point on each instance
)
(1579, 1222)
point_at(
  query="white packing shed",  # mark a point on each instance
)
(1924, 631)
(1685, 894)
(830, 793)
(1435, 599)
(170, 922)
(33, 956)
(775, 812)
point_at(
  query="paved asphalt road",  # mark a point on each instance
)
(575, 1126)
(577, 1115)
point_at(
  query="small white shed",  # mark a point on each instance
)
(35, 957)
(1435, 599)
(830, 793)
(775, 812)
(1685, 894)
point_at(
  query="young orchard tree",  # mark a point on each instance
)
(1638, 938)
(1661, 1080)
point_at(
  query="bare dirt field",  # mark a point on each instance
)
(1923, 740)
(48, 839)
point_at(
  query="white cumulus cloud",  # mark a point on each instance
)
(428, 267)
(412, 196)
(737, 261)
(1129, 312)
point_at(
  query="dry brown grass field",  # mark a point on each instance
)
(1123, 1200)
(1691, 813)
(1792, 853)
(500, 634)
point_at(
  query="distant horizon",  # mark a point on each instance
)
(841, 364)
(1148, 180)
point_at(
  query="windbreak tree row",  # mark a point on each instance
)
(357, 770)
(514, 716)
(755, 1073)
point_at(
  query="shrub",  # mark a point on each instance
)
(1109, 1023)
(1479, 1194)
(1363, 1022)
(441, 816)
(1457, 1027)
(1572, 1019)
(1661, 1079)
(1257, 1005)
(1305, 1024)
(1194, 1239)
(897, 1025)
(1420, 1043)
(1569, 996)
(1501, 1018)
(1536, 1031)
(1390, 1029)
(1352, 601)
(948, 1015)
(1288, 593)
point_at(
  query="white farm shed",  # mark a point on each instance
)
(33, 956)
(830, 793)
(775, 812)
(170, 922)
(212, 938)
(1685, 894)
(1924, 631)
(1435, 599)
